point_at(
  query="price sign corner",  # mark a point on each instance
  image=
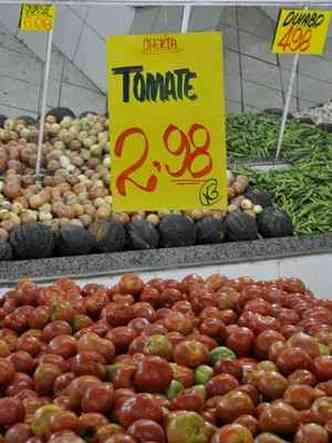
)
(301, 31)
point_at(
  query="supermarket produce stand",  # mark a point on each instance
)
(307, 257)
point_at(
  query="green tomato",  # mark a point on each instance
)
(159, 345)
(41, 419)
(324, 350)
(203, 374)
(110, 370)
(187, 427)
(174, 389)
(200, 389)
(221, 353)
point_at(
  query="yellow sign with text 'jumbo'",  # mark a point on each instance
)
(166, 104)
(302, 31)
(37, 18)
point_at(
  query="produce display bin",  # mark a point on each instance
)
(62, 222)
(165, 221)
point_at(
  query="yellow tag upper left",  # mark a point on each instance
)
(37, 18)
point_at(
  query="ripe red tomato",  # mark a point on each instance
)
(130, 284)
(311, 432)
(63, 345)
(302, 377)
(229, 366)
(265, 340)
(140, 406)
(290, 359)
(153, 374)
(322, 367)
(249, 422)
(302, 396)
(221, 384)
(11, 411)
(55, 328)
(233, 433)
(304, 341)
(191, 353)
(240, 341)
(271, 384)
(98, 398)
(234, 404)
(278, 417)
(18, 433)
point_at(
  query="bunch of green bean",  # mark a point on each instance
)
(305, 197)
(252, 137)
(305, 189)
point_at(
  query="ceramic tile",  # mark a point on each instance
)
(110, 20)
(90, 58)
(20, 66)
(80, 99)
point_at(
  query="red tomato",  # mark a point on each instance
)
(240, 341)
(233, 433)
(221, 384)
(153, 374)
(322, 367)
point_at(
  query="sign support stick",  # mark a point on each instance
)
(185, 19)
(44, 101)
(287, 104)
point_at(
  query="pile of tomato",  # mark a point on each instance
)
(211, 360)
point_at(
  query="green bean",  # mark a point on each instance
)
(305, 189)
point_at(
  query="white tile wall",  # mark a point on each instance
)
(263, 96)
(110, 20)
(73, 97)
(67, 31)
(9, 14)
(21, 80)
(14, 65)
(18, 93)
(91, 57)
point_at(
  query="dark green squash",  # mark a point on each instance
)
(74, 240)
(177, 230)
(109, 236)
(27, 120)
(3, 118)
(257, 197)
(240, 226)
(210, 230)
(6, 251)
(86, 113)
(274, 222)
(33, 240)
(143, 235)
(60, 113)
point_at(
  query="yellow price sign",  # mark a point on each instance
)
(38, 18)
(302, 31)
(166, 102)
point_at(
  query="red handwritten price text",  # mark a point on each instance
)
(187, 147)
(37, 22)
(296, 39)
